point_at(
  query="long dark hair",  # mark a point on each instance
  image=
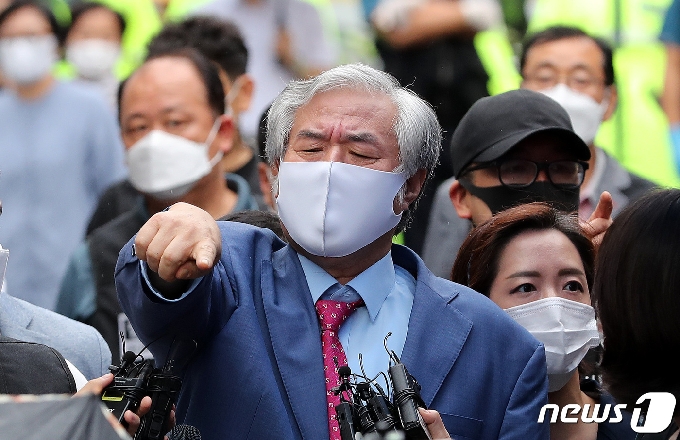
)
(637, 296)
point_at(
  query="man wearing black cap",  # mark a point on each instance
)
(512, 148)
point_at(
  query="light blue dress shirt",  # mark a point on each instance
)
(387, 291)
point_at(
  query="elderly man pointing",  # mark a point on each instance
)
(351, 150)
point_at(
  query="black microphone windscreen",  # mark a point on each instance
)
(344, 371)
(184, 432)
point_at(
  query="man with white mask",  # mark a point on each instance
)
(220, 41)
(351, 150)
(175, 134)
(576, 70)
(59, 150)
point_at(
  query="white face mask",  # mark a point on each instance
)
(166, 166)
(566, 328)
(585, 113)
(26, 60)
(333, 209)
(93, 58)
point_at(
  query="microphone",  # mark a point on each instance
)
(184, 432)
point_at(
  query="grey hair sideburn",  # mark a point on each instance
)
(416, 126)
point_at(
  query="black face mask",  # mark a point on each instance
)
(499, 198)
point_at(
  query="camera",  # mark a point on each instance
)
(365, 408)
(135, 378)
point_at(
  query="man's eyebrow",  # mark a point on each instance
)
(309, 134)
(364, 137)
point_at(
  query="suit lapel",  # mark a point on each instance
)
(436, 335)
(294, 332)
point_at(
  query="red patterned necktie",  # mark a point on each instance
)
(331, 315)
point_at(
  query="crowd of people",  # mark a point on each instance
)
(289, 183)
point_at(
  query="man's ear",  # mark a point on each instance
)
(460, 198)
(263, 172)
(613, 102)
(414, 185)
(225, 134)
(244, 96)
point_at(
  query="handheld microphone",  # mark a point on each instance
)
(184, 432)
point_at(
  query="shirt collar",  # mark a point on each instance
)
(373, 285)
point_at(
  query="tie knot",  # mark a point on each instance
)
(333, 313)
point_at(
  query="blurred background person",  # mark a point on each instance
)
(537, 264)
(670, 36)
(175, 133)
(285, 40)
(221, 42)
(636, 134)
(636, 290)
(59, 150)
(93, 46)
(577, 71)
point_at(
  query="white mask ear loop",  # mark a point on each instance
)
(231, 95)
(211, 138)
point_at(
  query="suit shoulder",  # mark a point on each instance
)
(54, 324)
(486, 317)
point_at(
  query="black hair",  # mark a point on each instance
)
(637, 296)
(556, 33)
(218, 40)
(207, 71)
(261, 219)
(79, 8)
(262, 135)
(40, 6)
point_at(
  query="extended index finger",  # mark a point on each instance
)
(604, 207)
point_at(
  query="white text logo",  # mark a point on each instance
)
(657, 418)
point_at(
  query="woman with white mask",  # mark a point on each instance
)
(536, 263)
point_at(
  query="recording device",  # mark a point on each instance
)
(137, 377)
(366, 408)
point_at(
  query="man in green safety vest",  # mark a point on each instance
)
(637, 134)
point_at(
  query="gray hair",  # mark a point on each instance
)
(416, 127)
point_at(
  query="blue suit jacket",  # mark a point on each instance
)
(258, 372)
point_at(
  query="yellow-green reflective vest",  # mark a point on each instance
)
(637, 134)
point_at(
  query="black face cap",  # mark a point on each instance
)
(495, 124)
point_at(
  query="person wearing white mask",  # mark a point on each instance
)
(220, 41)
(175, 134)
(59, 150)
(93, 46)
(351, 150)
(536, 263)
(576, 70)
